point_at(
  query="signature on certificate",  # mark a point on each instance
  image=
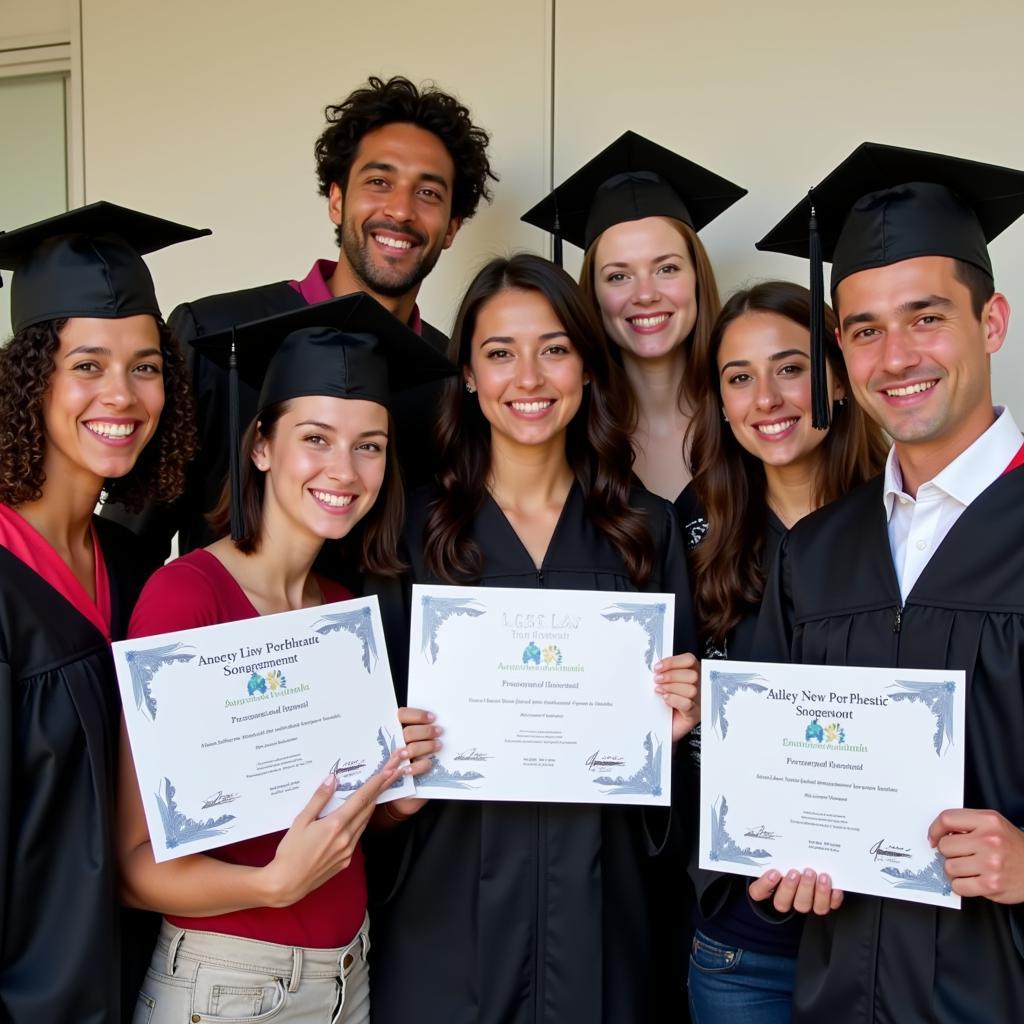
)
(472, 755)
(218, 798)
(883, 852)
(598, 761)
(760, 832)
(346, 767)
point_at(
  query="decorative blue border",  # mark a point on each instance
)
(178, 828)
(939, 699)
(436, 611)
(388, 745)
(650, 617)
(723, 846)
(646, 780)
(723, 686)
(143, 665)
(441, 778)
(359, 623)
(932, 878)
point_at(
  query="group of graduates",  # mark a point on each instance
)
(310, 439)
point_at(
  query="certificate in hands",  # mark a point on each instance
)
(832, 768)
(233, 726)
(544, 695)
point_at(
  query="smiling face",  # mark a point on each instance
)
(396, 209)
(324, 465)
(764, 377)
(104, 398)
(646, 286)
(917, 356)
(528, 375)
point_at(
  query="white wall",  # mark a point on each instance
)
(207, 110)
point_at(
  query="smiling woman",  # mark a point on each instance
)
(93, 397)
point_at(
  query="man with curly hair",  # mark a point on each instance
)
(402, 168)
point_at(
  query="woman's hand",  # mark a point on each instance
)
(677, 680)
(315, 849)
(419, 734)
(804, 892)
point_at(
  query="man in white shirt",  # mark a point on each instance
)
(921, 568)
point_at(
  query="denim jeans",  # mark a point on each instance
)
(209, 977)
(729, 985)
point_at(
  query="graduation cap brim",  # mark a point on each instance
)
(700, 193)
(411, 361)
(996, 194)
(142, 231)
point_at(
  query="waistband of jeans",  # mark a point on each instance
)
(293, 962)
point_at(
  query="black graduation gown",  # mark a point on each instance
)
(413, 412)
(59, 729)
(504, 913)
(834, 599)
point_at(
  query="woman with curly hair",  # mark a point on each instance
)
(635, 209)
(507, 912)
(93, 400)
(758, 467)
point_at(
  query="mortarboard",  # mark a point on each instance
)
(349, 347)
(86, 262)
(631, 179)
(883, 205)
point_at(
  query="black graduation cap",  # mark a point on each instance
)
(349, 347)
(885, 204)
(632, 179)
(86, 262)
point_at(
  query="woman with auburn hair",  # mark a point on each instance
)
(94, 401)
(758, 467)
(275, 927)
(636, 209)
(498, 911)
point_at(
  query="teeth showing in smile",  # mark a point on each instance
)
(111, 429)
(334, 500)
(649, 321)
(393, 243)
(912, 389)
(775, 428)
(532, 406)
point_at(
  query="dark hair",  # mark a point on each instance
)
(397, 100)
(27, 363)
(708, 305)
(379, 530)
(979, 283)
(597, 445)
(730, 482)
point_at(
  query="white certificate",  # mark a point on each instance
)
(233, 727)
(836, 769)
(544, 695)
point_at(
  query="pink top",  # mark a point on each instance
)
(28, 545)
(196, 590)
(314, 288)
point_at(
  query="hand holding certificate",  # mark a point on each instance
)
(544, 695)
(839, 769)
(233, 726)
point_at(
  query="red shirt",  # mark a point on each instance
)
(196, 590)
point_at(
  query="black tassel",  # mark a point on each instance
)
(820, 405)
(556, 250)
(235, 443)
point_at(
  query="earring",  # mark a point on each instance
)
(841, 402)
(470, 387)
(725, 419)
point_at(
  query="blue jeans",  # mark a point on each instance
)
(729, 985)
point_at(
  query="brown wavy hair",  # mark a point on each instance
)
(597, 445)
(26, 364)
(378, 533)
(728, 578)
(708, 306)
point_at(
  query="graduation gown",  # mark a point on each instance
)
(59, 722)
(834, 599)
(501, 913)
(157, 524)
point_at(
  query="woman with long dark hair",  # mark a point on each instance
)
(275, 926)
(758, 467)
(94, 400)
(532, 912)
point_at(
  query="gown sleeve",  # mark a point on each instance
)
(7, 761)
